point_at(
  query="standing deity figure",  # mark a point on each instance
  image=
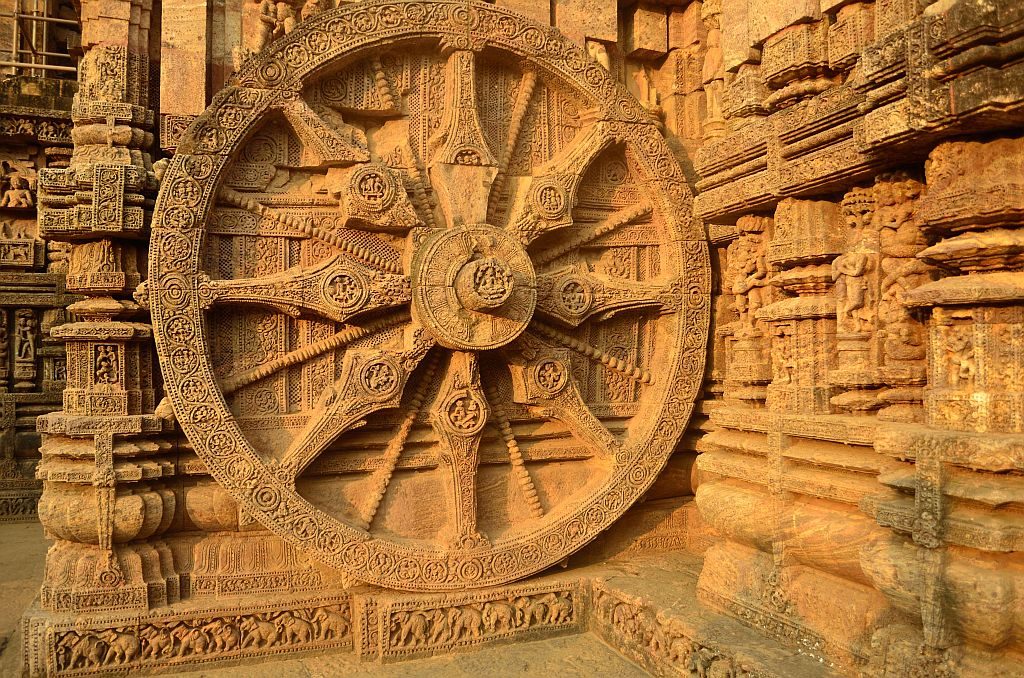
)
(259, 22)
(849, 272)
(25, 335)
(750, 275)
(713, 72)
(285, 20)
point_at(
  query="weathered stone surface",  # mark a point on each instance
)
(375, 311)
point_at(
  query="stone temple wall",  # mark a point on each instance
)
(375, 311)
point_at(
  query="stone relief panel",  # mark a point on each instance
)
(454, 302)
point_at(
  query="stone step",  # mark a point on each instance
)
(647, 609)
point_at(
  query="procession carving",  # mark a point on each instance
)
(420, 230)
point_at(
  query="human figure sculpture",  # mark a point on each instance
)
(849, 272)
(285, 20)
(19, 194)
(713, 71)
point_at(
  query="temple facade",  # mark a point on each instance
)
(389, 329)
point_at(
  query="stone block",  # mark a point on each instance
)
(538, 10)
(794, 52)
(581, 19)
(767, 17)
(853, 30)
(184, 43)
(737, 45)
(891, 15)
(685, 27)
(646, 32)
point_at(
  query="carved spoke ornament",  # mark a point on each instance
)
(428, 297)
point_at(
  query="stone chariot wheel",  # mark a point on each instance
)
(428, 298)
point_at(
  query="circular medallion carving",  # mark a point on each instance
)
(373, 188)
(380, 378)
(346, 289)
(421, 352)
(549, 200)
(552, 376)
(575, 296)
(464, 413)
(473, 287)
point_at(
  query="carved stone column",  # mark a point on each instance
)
(948, 559)
(104, 497)
(802, 326)
(747, 284)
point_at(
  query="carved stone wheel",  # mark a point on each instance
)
(428, 297)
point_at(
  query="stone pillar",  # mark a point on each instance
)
(948, 560)
(105, 501)
(802, 326)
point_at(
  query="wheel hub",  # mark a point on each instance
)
(474, 287)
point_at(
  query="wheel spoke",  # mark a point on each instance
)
(519, 469)
(522, 103)
(324, 143)
(381, 477)
(541, 379)
(337, 289)
(306, 353)
(458, 417)
(617, 220)
(358, 247)
(623, 367)
(547, 203)
(571, 295)
(420, 199)
(371, 380)
(462, 167)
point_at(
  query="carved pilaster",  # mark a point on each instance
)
(105, 501)
(802, 325)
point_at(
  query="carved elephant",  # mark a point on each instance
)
(89, 650)
(332, 623)
(156, 642)
(532, 611)
(121, 647)
(191, 640)
(412, 629)
(559, 609)
(439, 628)
(499, 615)
(258, 633)
(466, 619)
(223, 634)
(294, 629)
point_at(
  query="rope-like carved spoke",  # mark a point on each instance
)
(371, 380)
